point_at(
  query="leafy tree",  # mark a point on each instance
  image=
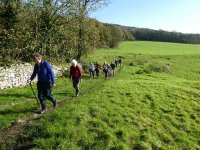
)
(81, 13)
(47, 19)
(58, 29)
(117, 35)
(105, 35)
(9, 11)
(128, 36)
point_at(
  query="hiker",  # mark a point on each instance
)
(45, 82)
(120, 61)
(76, 76)
(109, 70)
(112, 65)
(91, 70)
(97, 69)
(116, 62)
(105, 69)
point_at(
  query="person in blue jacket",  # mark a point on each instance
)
(46, 80)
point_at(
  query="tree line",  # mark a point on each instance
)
(146, 34)
(62, 30)
(58, 29)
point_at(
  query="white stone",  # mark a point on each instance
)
(17, 75)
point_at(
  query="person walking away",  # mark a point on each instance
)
(112, 65)
(120, 61)
(76, 76)
(105, 69)
(97, 69)
(91, 70)
(116, 62)
(109, 70)
(46, 80)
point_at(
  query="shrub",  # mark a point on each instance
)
(159, 67)
(140, 71)
(154, 67)
(132, 64)
(139, 60)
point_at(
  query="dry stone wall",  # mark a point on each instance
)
(17, 75)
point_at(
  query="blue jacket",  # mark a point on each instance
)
(44, 72)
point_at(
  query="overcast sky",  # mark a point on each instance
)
(171, 15)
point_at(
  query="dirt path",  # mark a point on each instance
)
(14, 131)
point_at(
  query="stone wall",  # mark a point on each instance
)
(17, 75)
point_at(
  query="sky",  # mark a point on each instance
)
(170, 15)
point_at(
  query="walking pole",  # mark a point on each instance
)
(34, 95)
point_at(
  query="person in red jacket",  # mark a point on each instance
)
(75, 75)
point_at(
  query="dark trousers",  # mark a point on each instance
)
(91, 73)
(45, 92)
(116, 64)
(106, 73)
(76, 84)
(97, 72)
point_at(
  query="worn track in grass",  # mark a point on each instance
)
(18, 127)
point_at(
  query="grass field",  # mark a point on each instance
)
(153, 102)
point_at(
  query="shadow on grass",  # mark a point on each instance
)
(66, 94)
(63, 93)
(17, 95)
(17, 111)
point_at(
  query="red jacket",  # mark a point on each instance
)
(75, 72)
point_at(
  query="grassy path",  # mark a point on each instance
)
(152, 103)
(17, 127)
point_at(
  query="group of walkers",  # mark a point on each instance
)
(46, 78)
(108, 69)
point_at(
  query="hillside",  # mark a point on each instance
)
(145, 34)
(152, 102)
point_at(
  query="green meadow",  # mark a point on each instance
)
(153, 102)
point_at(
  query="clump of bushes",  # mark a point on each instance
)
(139, 60)
(133, 64)
(160, 68)
(147, 66)
(155, 67)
